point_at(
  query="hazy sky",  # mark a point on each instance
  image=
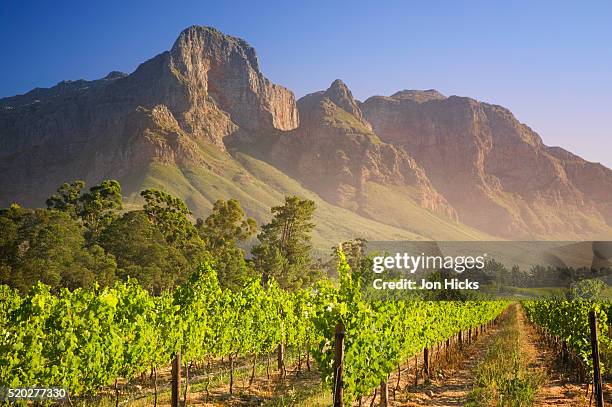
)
(549, 62)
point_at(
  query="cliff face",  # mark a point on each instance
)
(208, 86)
(592, 179)
(335, 153)
(417, 160)
(493, 169)
(213, 69)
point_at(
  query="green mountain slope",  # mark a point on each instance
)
(397, 206)
(259, 186)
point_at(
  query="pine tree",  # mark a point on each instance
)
(284, 252)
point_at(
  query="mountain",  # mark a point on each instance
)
(202, 122)
(335, 153)
(494, 170)
(208, 86)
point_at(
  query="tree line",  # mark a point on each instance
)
(87, 237)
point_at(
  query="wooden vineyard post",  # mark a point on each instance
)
(231, 383)
(426, 361)
(281, 355)
(176, 380)
(597, 387)
(399, 378)
(338, 365)
(280, 359)
(447, 346)
(416, 370)
(384, 394)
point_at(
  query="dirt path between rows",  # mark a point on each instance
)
(451, 384)
(558, 388)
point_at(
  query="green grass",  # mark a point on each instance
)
(503, 378)
(337, 117)
(258, 186)
(390, 213)
(537, 292)
(398, 207)
(302, 397)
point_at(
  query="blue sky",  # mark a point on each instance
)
(550, 62)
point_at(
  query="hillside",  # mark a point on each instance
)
(202, 122)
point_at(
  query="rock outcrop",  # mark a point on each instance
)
(207, 87)
(493, 169)
(335, 153)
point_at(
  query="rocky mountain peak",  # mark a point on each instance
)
(342, 96)
(197, 43)
(390, 158)
(208, 66)
(207, 87)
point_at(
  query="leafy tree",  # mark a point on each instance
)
(290, 229)
(589, 289)
(517, 277)
(142, 252)
(270, 262)
(493, 270)
(354, 253)
(221, 232)
(9, 228)
(226, 226)
(232, 269)
(288, 235)
(169, 214)
(67, 198)
(96, 208)
(48, 246)
(99, 206)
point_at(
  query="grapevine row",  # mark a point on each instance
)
(568, 321)
(84, 340)
(380, 335)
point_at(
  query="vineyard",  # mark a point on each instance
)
(572, 328)
(86, 340)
